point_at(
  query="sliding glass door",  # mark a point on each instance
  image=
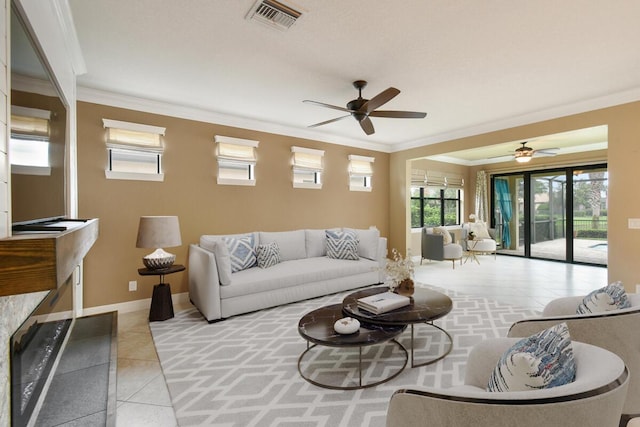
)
(548, 215)
(558, 214)
(590, 188)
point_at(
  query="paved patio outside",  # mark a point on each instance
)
(584, 250)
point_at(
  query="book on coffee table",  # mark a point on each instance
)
(383, 302)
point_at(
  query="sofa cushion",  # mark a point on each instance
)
(342, 244)
(268, 255)
(315, 243)
(293, 273)
(223, 261)
(241, 251)
(446, 236)
(611, 297)
(291, 243)
(367, 241)
(215, 244)
(543, 360)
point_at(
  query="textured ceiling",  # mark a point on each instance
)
(473, 66)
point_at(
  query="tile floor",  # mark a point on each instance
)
(142, 395)
(143, 399)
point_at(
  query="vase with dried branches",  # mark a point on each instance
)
(400, 273)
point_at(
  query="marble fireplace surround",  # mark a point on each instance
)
(65, 253)
(15, 309)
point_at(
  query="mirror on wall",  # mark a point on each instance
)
(38, 133)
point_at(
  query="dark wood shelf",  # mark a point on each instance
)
(33, 262)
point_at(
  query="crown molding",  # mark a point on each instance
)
(112, 99)
(63, 14)
(584, 106)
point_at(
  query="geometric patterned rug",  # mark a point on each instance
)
(243, 371)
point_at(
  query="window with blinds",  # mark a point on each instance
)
(236, 160)
(29, 141)
(360, 172)
(134, 151)
(437, 198)
(307, 167)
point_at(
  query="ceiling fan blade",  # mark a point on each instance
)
(380, 99)
(322, 104)
(367, 126)
(398, 114)
(547, 152)
(329, 121)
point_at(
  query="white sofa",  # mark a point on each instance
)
(304, 271)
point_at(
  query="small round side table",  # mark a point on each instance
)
(161, 304)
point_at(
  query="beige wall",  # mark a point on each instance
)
(622, 156)
(190, 191)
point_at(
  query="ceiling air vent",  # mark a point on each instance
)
(274, 14)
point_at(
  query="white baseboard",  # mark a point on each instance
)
(129, 306)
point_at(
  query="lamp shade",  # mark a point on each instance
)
(158, 232)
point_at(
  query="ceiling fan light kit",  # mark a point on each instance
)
(525, 154)
(523, 159)
(361, 109)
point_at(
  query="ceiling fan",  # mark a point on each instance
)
(361, 109)
(524, 153)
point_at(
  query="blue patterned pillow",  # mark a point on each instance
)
(543, 360)
(268, 255)
(611, 297)
(342, 244)
(241, 251)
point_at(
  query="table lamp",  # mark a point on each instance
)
(158, 232)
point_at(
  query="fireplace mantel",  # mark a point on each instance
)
(32, 262)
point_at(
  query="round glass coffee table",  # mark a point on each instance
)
(316, 327)
(426, 306)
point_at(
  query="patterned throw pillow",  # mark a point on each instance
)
(241, 251)
(543, 360)
(342, 244)
(611, 297)
(446, 236)
(268, 255)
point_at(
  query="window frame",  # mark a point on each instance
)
(151, 146)
(244, 157)
(442, 200)
(307, 161)
(358, 171)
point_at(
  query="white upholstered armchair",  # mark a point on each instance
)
(484, 238)
(595, 398)
(617, 331)
(438, 245)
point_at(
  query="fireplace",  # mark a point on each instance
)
(35, 348)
